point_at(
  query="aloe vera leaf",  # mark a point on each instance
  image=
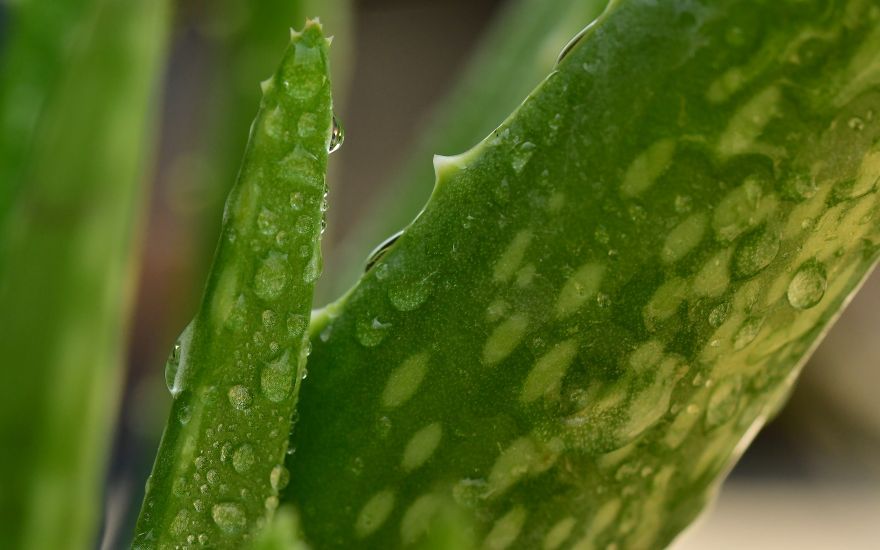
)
(246, 54)
(66, 274)
(35, 52)
(604, 300)
(236, 370)
(518, 51)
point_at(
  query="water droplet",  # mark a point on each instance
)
(407, 297)
(296, 200)
(267, 222)
(380, 251)
(855, 123)
(337, 136)
(276, 380)
(807, 287)
(304, 225)
(229, 517)
(314, 267)
(181, 523)
(371, 331)
(243, 458)
(184, 413)
(213, 477)
(521, 156)
(199, 505)
(571, 44)
(174, 374)
(269, 318)
(747, 333)
(719, 314)
(271, 277)
(240, 397)
(755, 252)
(279, 477)
(296, 324)
(203, 539)
(226, 452)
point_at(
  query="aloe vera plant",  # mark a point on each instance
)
(235, 371)
(604, 300)
(600, 305)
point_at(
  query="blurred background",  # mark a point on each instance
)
(810, 480)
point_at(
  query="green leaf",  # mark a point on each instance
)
(604, 300)
(235, 371)
(35, 55)
(519, 50)
(247, 37)
(282, 532)
(66, 260)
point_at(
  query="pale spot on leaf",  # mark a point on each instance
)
(405, 380)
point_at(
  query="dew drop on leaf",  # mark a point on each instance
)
(180, 523)
(184, 413)
(228, 516)
(296, 324)
(243, 458)
(240, 397)
(521, 156)
(719, 314)
(296, 200)
(755, 252)
(371, 331)
(380, 251)
(313, 268)
(174, 373)
(407, 297)
(747, 333)
(279, 477)
(807, 287)
(271, 277)
(337, 136)
(276, 380)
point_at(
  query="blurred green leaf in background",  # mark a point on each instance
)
(77, 132)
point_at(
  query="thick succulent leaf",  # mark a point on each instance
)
(66, 259)
(519, 50)
(235, 371)
(248, 36)
(605, 299)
